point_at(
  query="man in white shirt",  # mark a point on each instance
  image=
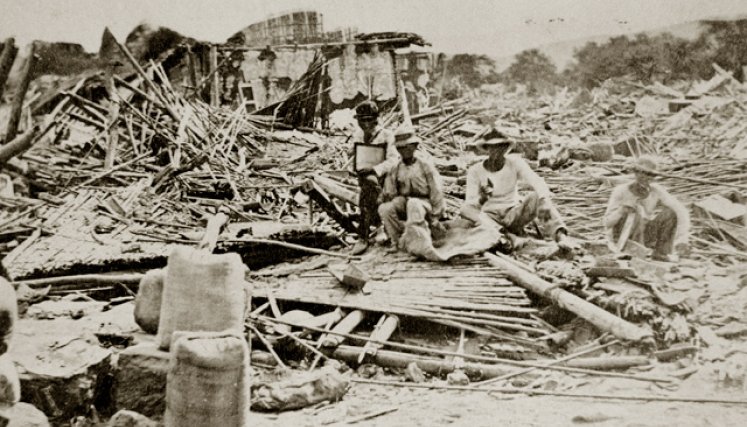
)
(659, 220)
(370, 178)
(492, 192)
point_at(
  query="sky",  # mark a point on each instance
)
(497, 28)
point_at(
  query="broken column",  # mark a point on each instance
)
(201, 292)
(208, 383)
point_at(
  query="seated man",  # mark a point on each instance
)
(492, 192)
(659, 229)
(412, 191)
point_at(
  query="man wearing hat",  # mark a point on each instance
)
(492, 192)
(660, 221)
(369, 178)
(412, 193)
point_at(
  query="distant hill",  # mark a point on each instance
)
(561, 53)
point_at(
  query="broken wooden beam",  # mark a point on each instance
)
(7, 57)
(322, 199)
(604, 363)
(333, 188)
(345, 326)
(431, 365)
(81, 281)
(597, 316)
(18, 145)
(214, 81)
(17, 105)
(382, 332)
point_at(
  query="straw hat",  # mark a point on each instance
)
(493, 138)
(404, 137)
(645, 164)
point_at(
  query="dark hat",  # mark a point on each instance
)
(367, 109)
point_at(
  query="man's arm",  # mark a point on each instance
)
(555, 220)
(530, 177)
(435, 190)
(472, 197)
(616, 206)
(392, 156)
(682, 232)
(389, 191)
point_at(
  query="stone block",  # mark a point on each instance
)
(23, 415)
(125, 418)
(63, 371)
(140, 382)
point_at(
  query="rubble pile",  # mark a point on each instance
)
(113, 169)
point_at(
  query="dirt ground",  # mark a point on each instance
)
(419, 407)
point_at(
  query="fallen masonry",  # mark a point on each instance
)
(115, 181)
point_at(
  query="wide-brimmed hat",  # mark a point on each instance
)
(645, 164)
(492, 138)
(404, 137)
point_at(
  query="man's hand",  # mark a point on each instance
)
(372, 178)
(544, 212)
(566, 243)
(628, 209)
(366, 171)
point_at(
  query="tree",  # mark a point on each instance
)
(730, 41)
(532, 67)
(644, 58)
(465, 71)
(472, 70)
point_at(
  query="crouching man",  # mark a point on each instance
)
(645, 212)
(412, 194)
(492, 193)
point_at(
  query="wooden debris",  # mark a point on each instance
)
(598, 317)
(17, 105)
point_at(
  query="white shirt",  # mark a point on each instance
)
(502, 184)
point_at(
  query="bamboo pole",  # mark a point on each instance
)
(214, 83)
(440, 352)
(600, 318)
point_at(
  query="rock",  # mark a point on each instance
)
(8, 314)
(10, 388)
(23, 415)
(414, 374)
(125, 418)
(140, 382)
(299, 391)
(457, 377)
(63, 370)
(369, 370)
(148, 301)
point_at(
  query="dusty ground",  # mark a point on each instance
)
(443, 408)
